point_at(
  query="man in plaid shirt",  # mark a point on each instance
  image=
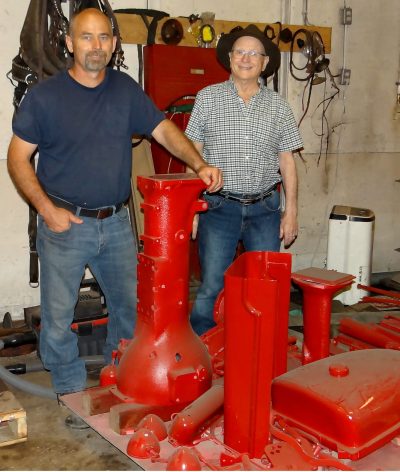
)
(250, 133)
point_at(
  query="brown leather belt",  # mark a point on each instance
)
(99, 213)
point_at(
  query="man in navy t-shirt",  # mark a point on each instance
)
(82, 121)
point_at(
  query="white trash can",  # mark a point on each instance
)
(350, 242)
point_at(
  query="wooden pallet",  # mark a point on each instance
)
(13, 428)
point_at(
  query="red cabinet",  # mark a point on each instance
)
(173, 72)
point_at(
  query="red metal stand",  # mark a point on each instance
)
(319, 286)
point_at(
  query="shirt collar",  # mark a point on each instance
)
(231, 85)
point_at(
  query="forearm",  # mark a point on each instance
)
(199, 147)
(172, 138)
(23, 174)
(289, 178)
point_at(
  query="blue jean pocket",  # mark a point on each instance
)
(214, 201)
(273, 202)
(122, 215)
(42, 225)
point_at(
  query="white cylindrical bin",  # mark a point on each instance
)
(350, 242)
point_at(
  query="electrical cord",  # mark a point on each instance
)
(325, 103)
(313, 65)
(305, 111)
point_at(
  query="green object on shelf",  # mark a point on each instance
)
(186, 108)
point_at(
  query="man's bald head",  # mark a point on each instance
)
(88, 14)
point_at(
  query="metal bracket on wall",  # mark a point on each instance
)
(344, 76)
(346, 16)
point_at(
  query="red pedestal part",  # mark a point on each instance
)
(350, 402)
(318, 286)
(252, 300)
(166, 363)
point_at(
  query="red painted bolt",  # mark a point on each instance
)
(338, 370)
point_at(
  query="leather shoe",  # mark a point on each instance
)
(75, 422)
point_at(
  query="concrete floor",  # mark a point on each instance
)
(51, 445)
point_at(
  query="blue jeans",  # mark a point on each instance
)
(221, 227)
(107, 247)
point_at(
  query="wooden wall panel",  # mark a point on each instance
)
(134, 31)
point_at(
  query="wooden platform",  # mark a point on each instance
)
(13, 428)
(385, 458)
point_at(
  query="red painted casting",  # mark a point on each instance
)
(166, 363)
(154, 424)
(318, 286)
(108, 374)
(143, 444)
(388, 293)
(184, 459)
(349, 402)
(252, 300)
(186, 425)
(371, 334)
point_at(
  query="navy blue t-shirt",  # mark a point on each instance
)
(84, 135)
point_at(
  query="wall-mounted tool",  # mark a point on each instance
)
(312, 47)
(172, 32)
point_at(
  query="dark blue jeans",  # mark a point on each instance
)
(221, 227)
(107, 247)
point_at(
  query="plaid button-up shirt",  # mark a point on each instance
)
(243, 140)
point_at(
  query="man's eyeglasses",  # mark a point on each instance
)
(241, 53)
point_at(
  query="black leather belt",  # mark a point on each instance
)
(99, 213)
(247, 198)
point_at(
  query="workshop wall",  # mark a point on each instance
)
(360, 169)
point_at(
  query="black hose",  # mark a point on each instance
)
(31, 387)
(18, 339)
(36, 365)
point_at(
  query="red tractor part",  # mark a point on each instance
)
(186, 425)
(154, 424)
(391, 322)
(382, 300)
(318, 286)
(381, 291)
(108, 374)
(166, 363)
(143, 444)
(349, 402)
(184, 459)
(371, 334)
(257, 291)
(166, 366)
